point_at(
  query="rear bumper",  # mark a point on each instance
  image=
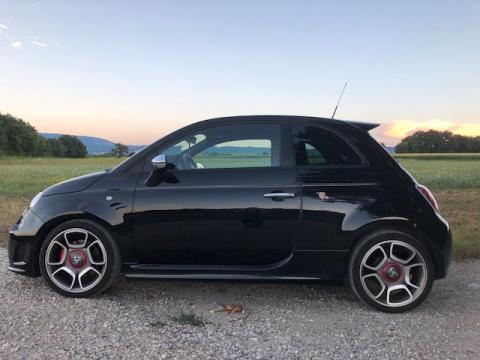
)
(441, 249)
(443, 262)
(23, 245)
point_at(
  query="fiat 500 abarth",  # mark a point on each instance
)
(249, 197)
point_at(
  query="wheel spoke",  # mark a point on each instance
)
(408, 279)
(380, 282)
(89, 253)
(397, 288)
(63, 254)
(370, 254)
(84, 272)
(77, 242)
(67, 271)
(398, 259)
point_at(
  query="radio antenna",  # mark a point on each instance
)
(340, 98)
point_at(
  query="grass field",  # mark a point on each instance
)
(454, 179)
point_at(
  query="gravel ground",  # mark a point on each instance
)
(152, 319)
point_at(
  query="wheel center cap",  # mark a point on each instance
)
(391, 272)
(77, 259)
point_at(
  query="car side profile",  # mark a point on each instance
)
(247, 197)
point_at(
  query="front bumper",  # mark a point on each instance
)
(24, 245)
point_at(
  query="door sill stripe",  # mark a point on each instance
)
(217, 277)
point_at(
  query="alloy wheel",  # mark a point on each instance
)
(76, 260)
(393, 273)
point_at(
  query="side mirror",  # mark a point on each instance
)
(159, 162)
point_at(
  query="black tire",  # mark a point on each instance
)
(113, 261)
(367, 243)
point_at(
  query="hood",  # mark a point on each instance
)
(74, 185)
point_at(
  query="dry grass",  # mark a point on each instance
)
(462, 210)
(10, 211)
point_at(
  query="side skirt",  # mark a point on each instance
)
(217, 277)
(303, 265)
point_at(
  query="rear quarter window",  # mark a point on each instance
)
(314, 145)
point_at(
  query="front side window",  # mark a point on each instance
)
(317, 146)
(228, 146)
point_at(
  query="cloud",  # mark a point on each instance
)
(39, 44)
(467, 129)
(17, 44)
(3, 28)
(401, 128)
(394, 131)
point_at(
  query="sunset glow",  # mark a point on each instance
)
(394, 131)
(140, 70)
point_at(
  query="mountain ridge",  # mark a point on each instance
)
(95, 145)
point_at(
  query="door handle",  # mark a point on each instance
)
(279, 195)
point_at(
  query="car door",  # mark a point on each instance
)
(339, 190)
(228, 198)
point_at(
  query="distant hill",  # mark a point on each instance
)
(95, 145)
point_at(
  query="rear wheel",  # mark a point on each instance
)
(79, 259)
(391, 271)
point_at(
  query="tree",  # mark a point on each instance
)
(433, 141)
(57, 149)
(42, 147)
(74, 148)
(3, 140)
(120, 150)
(20, 138)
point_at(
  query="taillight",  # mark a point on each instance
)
(428, 195)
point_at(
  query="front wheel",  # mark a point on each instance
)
(391, 271)
(79, 259)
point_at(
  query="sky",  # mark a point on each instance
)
(133, 71)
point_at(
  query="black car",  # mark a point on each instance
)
(249, 197)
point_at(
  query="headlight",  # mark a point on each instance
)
(35, 200)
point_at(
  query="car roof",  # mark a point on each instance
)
(366, 126)
(274, 118)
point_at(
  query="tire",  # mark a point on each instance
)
(381, 258)
(79, 259)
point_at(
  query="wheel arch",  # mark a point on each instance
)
(393, 223)
(51, 224)
(397, 224)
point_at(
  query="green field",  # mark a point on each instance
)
(442, 174)
(24, 177)
(454, 179)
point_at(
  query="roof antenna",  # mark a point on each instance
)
(340, 98)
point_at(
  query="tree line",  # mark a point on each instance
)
(18, 137)
(433, 141)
